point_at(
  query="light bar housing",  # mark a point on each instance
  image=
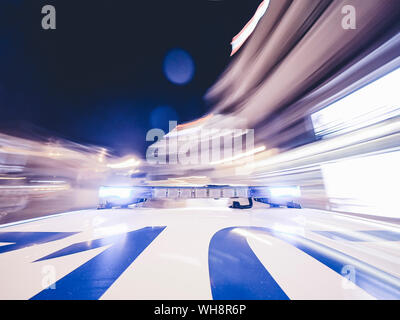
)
(122, 196)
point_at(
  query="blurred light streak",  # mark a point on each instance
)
(312, 153)
(48, 181)
(377, 101)
(125, 164)
(54, 175)
(252, 235)
(35, 188)
(195, 122)
(243, 35)
(102, 155)
(289, 229)
(240, 156)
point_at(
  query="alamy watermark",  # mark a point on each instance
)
(349, 277)
(49, 20)
(199, 146)
(349, 20)
(49, 277)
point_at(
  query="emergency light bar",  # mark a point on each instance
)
(124, 196)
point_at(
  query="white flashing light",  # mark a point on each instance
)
(121, 193)
(285, 192)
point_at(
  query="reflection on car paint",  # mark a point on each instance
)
(92, 279)
(236, 273)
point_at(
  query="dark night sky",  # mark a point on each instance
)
(97, 77)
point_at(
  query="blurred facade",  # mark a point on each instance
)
(324, 104)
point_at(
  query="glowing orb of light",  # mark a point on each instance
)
(160, 117)
(178, 66)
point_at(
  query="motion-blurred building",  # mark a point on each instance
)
(323, 101)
